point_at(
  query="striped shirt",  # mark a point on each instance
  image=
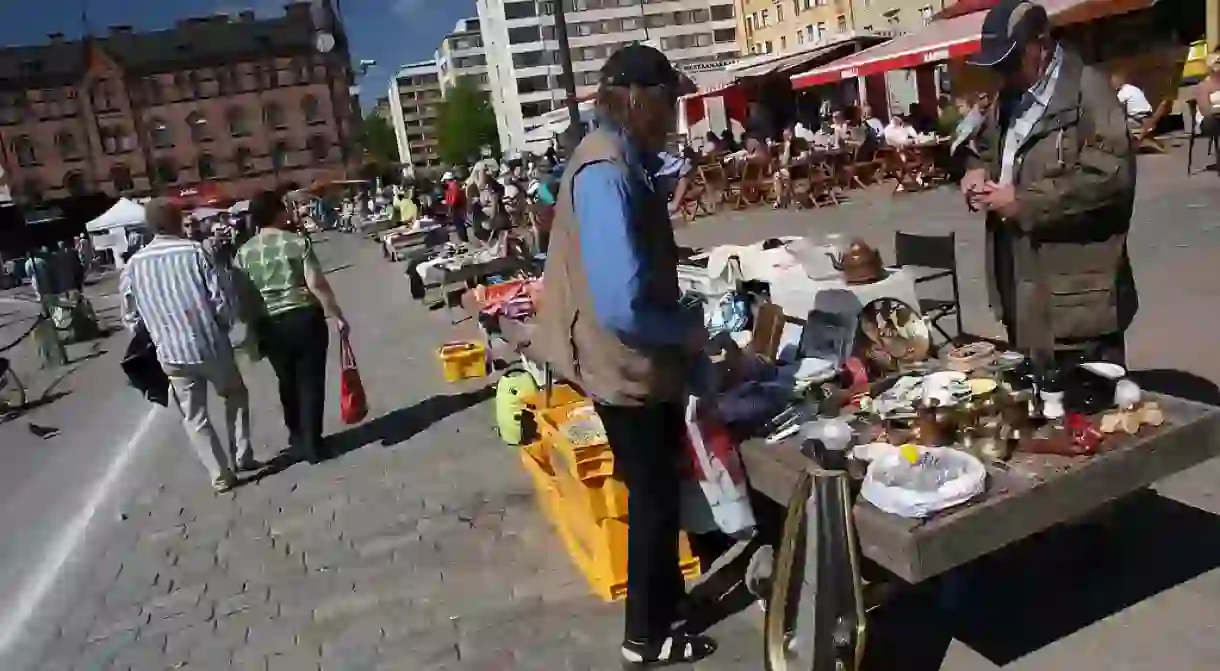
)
(172, 287)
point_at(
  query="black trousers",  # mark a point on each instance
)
(647, 444)
(1111, 348)
(295, 343)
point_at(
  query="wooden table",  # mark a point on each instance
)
(1031, 494)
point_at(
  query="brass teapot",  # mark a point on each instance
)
(859, 263)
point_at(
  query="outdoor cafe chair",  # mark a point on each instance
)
(1144, 137)
(1213, 141)
(753, 187)
(932, 258)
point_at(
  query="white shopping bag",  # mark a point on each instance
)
(714, 494)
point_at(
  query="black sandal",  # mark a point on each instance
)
(677, 648)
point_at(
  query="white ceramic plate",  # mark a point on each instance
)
(1110, 371)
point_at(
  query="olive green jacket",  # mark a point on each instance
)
(1065, 252)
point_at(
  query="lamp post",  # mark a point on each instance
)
(575, 125)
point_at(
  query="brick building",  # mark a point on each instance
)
(238, 102)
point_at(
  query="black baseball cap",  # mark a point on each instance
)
(1007, 27)
(640, 65)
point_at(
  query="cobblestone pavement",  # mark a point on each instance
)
(420, 547)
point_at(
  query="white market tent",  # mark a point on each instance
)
(124, 213)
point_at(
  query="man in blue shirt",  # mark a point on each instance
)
(610, 322)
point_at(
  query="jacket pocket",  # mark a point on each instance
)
(1082, 305)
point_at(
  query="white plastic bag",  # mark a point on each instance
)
(961, 477)
(717, 473)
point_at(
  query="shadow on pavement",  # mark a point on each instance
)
(1178, 383)
(1044, 589)
(45, 399)
(400, 425)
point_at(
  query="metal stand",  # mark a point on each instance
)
(816, 615)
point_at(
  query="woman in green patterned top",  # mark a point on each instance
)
(286, 300)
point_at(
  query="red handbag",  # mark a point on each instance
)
(353, 404)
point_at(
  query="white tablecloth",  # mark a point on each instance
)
(797, 295)
(433, 272)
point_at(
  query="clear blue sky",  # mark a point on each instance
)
(391, 32)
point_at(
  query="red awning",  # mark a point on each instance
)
(938, 41)
(950, 39)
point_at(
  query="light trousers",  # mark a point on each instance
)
(189, 385)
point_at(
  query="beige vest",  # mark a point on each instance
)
(575, 343)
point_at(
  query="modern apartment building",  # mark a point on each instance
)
(236, 102)
(522, 50)
(461, 54)
(414, 94)
(779, 26)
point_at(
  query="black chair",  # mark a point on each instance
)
(932, 258)
(1213, 140)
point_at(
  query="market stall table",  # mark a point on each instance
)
(1028, 495)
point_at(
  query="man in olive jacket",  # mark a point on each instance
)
(1054, 169)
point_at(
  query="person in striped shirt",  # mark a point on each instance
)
(172, 288)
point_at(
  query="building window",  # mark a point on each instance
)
(279, 155)
(65, 141)
(925, 14)
(256, 77)
(167, 170)
(766, 18)
(822, 30)
(243, 160)
(749, 26)
(103, 100)
(112, 138)
(207, 167)
(519, 10)
(304, 72)
(224, 81)
(524, 34)
(238, 124)
(198, 125)
(530, 59)
(725, 35)
(779, 13)
(841, 23)
(768, 46)
(26, 153)
(726, 12)
(181, 85)
(273, 116)
(783, 42)
(318, 147)
(159, 132)
(309, 107)
(796, 7)
(74, 182)
(192, 83)
(152, 91)
(811, 34)
(800, 37)
(121, 176)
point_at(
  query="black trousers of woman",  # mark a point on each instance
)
(295, 343)
(647, 444)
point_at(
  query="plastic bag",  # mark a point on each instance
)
(941, 478)
(353, 403)
(717, 473)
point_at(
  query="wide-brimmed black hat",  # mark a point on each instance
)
(1007, 27)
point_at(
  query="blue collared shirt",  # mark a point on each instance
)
(614, 262)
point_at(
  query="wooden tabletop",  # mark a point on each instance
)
(1031, 494)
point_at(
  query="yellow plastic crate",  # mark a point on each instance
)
(585, 462)
(540, 451)
(545, 489)
(600, 497)
(561, 395)
(462, 361)
(599, 550)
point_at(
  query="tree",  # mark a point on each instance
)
(377, 138)
(466, 123)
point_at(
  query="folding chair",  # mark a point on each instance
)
(1213, 140)
(931, 258)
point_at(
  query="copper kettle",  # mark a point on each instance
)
(860, 263)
